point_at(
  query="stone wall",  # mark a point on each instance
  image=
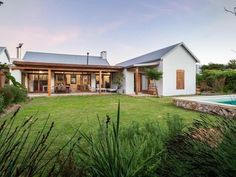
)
(221, 110)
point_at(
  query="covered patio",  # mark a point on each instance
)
(55, 78)
(142, 84)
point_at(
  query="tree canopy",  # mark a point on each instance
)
(153, 74)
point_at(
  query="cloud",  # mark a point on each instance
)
(36, 37)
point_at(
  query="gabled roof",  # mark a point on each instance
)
(63, 58)
(153, 56)
(4, 49)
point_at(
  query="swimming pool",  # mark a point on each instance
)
(223, 105)
(233, 102)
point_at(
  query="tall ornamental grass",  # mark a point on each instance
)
(125, 152)
(21, 155)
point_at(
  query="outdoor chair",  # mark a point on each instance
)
(102, 89)
(114, 88)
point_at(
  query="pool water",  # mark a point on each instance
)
(231, 102)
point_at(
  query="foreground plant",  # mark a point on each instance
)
(21, 157)
(109, 154)
(207, 149)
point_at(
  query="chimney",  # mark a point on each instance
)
(87, 58)
(18, 51)
(104, 55)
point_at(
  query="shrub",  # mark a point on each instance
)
(13, 94)
(218, 81)
(21, 95)
(207, 149)
(1, 103)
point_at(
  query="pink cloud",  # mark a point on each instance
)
(36, 38)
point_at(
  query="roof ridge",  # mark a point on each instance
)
(59, 54)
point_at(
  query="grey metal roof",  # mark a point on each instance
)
(2, 49)
(63, 58)
(153, 56)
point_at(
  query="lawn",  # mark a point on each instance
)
(72, 112)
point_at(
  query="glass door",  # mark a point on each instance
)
(85, 82)
(37, 83)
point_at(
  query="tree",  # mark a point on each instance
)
(4, 68)
(155, 75)
(118, 79)
(213, 66)
(231, 11)
(231, 64)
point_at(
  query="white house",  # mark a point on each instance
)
(177, 63)
(4, 55)
(53, 73)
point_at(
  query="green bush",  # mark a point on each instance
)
(21, 95)
(218, 80)
(13, 94)
(207, 149)
(1, 103)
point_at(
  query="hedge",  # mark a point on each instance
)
(218, 80)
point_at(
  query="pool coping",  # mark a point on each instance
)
(203, 104)
(195, 99)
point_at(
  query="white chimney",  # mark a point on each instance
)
(18, 51)
(104, 55)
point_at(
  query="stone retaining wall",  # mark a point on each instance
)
(224, 111)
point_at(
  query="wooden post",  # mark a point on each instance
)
(136, 81)
(100, 82)
(49, 82)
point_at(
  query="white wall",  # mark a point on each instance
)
(160, 82)
(52, 82)
(16, 74)
(128, 82)
(144, 82)
(179, 58)
(93, 82)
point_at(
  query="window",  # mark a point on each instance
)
(179, 79)
(73, 78)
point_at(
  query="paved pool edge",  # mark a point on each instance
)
(197, 103)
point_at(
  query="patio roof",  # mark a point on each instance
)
(63, 58)
(25, 65)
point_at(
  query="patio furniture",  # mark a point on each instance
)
(114, 88)
(83, 88)
(61, 88)
(91, 89)
(102, 89)
(45, 88)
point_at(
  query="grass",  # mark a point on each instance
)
(72, 112)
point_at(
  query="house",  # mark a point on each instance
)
(56, 73)
(63, 73)
(4, 56)
(177, 63)
(4, 59)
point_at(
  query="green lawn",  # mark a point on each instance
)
(72, 112)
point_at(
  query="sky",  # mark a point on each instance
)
(123, 28)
